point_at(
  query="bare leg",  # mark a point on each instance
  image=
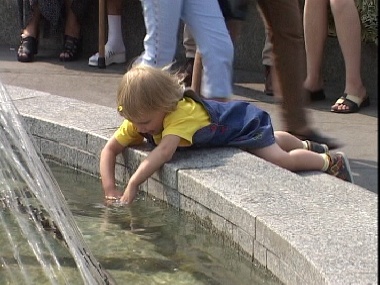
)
(72, 26)
(29, 38)
(197, 73)
(348, 30)
(31, 28)
(295, 160)
(287, 141)
(72, 29)
(315, 31)
(114, 7)
(234, 28)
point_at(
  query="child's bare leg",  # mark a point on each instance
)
(287, 141)
(301, 160)
(294, 160)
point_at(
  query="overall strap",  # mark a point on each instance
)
(191, 94)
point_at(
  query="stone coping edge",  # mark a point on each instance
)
(306, 228)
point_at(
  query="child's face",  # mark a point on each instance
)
(151, 123)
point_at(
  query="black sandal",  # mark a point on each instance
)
(71, 49)
(27, 49)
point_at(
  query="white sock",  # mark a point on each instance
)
(115, 35)
(305, 145)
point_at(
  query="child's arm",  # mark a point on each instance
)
(107, 168)
(161, 154)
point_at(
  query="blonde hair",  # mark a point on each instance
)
(144, 89)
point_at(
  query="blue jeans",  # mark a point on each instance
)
(205, 20)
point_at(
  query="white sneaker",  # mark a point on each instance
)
(110, 58)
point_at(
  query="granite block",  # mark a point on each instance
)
(287, 274)
(44, 106)
(244, 240)
(260, 253)
(62, 153)
(88, 163)
(333, 240)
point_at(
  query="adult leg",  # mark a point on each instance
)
(114, 48)
(190, 49)
(234, 29)
(32, 27)
(29, 37)
(72, 25)
(283, 18)
(348, 29)
(267, 61)
(72, 44)
(161, 19)
(315, 31)
(115, 36)
(214, 43)
(188, 42)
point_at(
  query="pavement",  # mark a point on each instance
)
(357, 132)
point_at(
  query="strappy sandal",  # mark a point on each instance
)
(353, 103)
(71, 49)
(27, 49)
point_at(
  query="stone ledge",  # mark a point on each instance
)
(307, 229)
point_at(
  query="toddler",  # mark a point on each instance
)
(157, 108)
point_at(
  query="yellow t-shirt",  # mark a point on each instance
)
(184, 121)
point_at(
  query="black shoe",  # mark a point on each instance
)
(317, 147)
(318, 95)
(318, 138)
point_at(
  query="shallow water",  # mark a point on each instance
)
(150, 242)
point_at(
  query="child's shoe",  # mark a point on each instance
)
(340, 167)
(317, 147)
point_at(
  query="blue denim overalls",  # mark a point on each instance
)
(233, 123)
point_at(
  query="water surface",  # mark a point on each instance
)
(150, 242)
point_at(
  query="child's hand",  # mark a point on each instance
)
(112, 195)
(129, 194)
